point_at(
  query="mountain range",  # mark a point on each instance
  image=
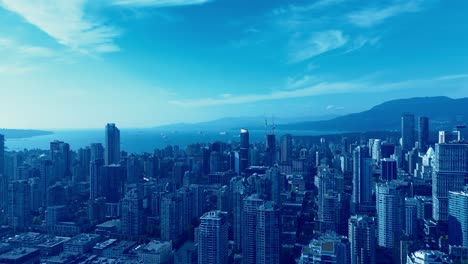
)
(443, 113)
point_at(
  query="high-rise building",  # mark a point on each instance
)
(237, 190)
(449, 136)
(268, 234)
(111, 184)
(390, 211)
(328, 248)
(244, 150)
(132, 214)
(84, 159)
(362, 239)
(112, 152)
(286, 148)
(458, 218)
(389, 169)
(60, 156)
(450, 171)
(423, 133)
(387, 150)
(376, 150)
(213, 238)
(270, 150)
(411, 217)
(277, 182)
(249, 228)
(95, 180)
(19, 205)
(362, 178)
(171, 227)
(134, 170)
(407, 131)
(97, 151)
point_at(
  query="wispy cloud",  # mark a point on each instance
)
(376, 15)
(317, 43)
(159, 3)
(66, 22)
(361, 41)
(14, 69)
(12, 46)
(363, 85)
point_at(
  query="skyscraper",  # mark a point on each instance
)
(270, 150)
(249, 228)
(112, 152)
(389, 169)
(112, 182)
(277, 182)
(19, 205)
(244, 150)
(449, 136)
(362, 239)
(390, 211)
(60, 156)
(362, 177)
(171, 227)
(423, 133)
(95, 180)
(237, 190)
(97, 151)
(268, 234)
(286, 148)
(458, 218)
(132, 214)
(407, 131)
(450, 171)
(213, 238)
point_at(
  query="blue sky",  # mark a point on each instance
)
(142, 63)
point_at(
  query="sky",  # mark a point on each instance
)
(144, 63)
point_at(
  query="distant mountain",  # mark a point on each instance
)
(23, 133)
(443, 113)
(230, 123)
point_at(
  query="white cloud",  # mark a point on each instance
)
(362, 85)
(360, 42)
(317, 43)
(67, 23)
(373, 16)
(12, 46)
(452, 77)
(159, 3)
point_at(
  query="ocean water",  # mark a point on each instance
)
(140, 140)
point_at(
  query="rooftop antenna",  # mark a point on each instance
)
(266, 125)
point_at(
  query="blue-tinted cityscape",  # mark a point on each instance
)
(233, 132)
(342, 198)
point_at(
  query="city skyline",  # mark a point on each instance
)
(144, 63)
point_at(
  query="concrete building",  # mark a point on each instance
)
(213, 238)
(362, 239)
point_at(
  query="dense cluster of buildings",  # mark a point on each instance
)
(284, 200)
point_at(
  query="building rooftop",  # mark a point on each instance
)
(18, 253)
(155, 246)
(430, 256)
(82, 239)
(104, 244)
